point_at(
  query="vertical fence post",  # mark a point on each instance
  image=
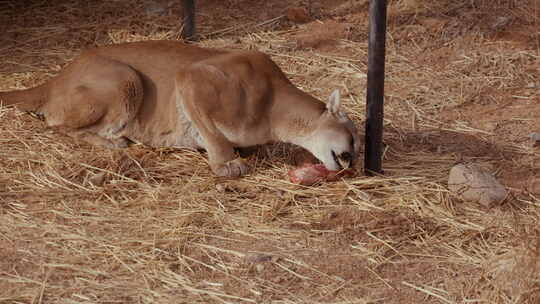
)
(375, 87)
(188, 29)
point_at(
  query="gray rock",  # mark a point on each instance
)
(258, 258)
(501, 22)
(472, 183)
(157, 8)
(97, 179)
(535, 137)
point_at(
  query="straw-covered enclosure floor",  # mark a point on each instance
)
(81, 224)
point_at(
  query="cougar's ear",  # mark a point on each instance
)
(334, 102)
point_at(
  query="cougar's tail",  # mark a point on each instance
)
(26, 100)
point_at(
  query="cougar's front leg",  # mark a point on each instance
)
(221, 157)
(196, 100)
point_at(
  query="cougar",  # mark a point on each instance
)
(170, 94)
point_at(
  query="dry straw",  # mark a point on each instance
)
(80, 224)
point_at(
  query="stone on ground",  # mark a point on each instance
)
(474, 184)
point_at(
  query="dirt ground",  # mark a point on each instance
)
(81, 224)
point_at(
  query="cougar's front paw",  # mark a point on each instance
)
(234, 168)
(119, 143)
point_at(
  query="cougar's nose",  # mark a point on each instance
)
(345, 160)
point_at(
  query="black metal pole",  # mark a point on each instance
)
(375, 87)
(188, 30)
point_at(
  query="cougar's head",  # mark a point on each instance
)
(334, 139)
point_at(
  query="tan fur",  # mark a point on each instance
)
(165, 93)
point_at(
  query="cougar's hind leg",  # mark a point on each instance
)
(123, 109)
(100, 141)
(74, 111)
(101, 106)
